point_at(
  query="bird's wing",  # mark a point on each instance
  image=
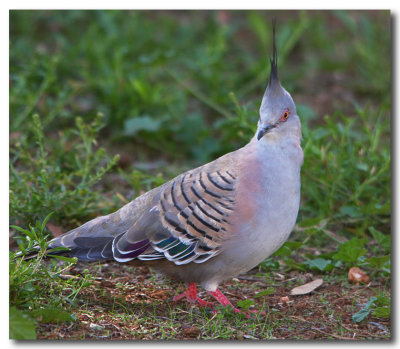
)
(188, 222)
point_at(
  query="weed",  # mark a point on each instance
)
(32, 282)
(57, 175)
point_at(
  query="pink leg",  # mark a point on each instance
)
(219, 296)
(192, 297)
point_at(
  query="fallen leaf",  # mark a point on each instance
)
(306, 288)
(191, 331)
(160, 294)
(356, 275)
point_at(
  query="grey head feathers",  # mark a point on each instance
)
(274, 78)
(276, 100)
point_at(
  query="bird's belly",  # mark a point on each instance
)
(259, 242)
(263, 226)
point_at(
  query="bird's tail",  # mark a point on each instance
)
(90, 242)
(34, 251)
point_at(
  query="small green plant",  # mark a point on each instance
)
(351, 252)
(349, 186)
(378, 306)
(245, 304)
(143, 181)
(356, 252)
(57, 175)
(32, 282)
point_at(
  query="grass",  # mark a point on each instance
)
(104, 106)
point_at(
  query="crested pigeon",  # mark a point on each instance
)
(213, 222)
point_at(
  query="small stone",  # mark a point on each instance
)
(285, 299)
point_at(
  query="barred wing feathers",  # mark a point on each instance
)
(188, 223)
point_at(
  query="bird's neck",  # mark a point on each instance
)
(275, 146)
(273, 140)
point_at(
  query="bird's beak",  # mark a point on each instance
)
(264, 130)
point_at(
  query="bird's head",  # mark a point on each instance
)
(277, 112)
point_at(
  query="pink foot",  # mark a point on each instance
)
(192, 297)
(219, 296)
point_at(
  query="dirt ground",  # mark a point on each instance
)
(134, 303)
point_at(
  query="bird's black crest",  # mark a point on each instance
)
(274, 59)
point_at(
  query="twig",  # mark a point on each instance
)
(333, 335)
(250, 279)
(233, 295)
(334, 236)
(212, 318)
(69, 277)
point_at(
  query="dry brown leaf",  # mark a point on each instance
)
(160, 294)
(356, 275)
(191, 331)
(306, 288)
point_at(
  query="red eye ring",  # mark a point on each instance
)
(285, 115)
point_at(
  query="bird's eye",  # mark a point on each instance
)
(285, 115)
